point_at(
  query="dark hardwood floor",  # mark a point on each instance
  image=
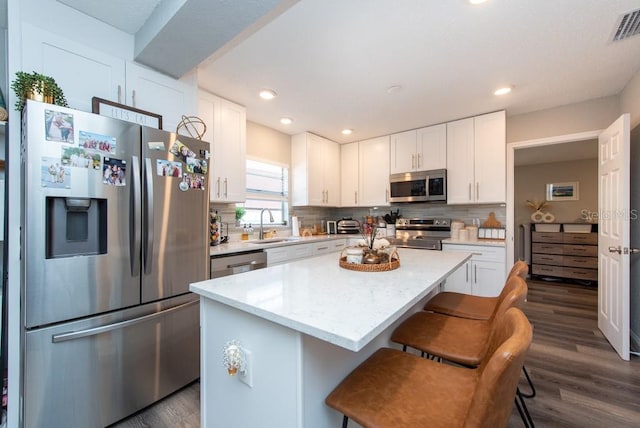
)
(580, 380)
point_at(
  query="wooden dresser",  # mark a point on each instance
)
(564, 254)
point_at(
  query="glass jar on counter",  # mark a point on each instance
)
(354, 255)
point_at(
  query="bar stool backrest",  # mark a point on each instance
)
(514, 293)
(498, 375)
(519, 268)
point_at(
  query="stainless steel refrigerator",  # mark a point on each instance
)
(114, 229)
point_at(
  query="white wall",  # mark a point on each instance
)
(569, 119)
(268, 144)
(630, 100)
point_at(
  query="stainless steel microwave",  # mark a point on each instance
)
(420, 186)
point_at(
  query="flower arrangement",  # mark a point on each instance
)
(536, 205)
(370, 240)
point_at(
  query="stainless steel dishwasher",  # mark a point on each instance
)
(230, 264)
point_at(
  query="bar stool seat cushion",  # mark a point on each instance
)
(456, 339)
(395, 389)
(462, 305)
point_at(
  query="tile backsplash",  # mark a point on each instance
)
(309, 216)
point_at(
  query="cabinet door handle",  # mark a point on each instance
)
(226, 188)
(218, 188)
(477, 191)
(475, 274)
(418, 157)
(467, 270)
(119, 94)
(355, 197)
(133, 98)
(469, 191)
(413, 161)
(386, 195)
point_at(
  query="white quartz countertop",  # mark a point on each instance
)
(317, 297)
(252, 245)
(481, 242)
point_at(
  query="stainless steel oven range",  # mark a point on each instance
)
(423, 233)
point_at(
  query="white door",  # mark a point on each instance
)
(613, 231)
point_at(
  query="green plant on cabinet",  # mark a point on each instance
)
(38, 87)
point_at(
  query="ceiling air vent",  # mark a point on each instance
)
(629, 25)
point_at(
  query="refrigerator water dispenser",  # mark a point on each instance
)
(75, 227)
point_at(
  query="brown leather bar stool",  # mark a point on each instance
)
(467, 306)
(477, 307)
(461, 340)
(394, 389)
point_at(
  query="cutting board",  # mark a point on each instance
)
(492, 221)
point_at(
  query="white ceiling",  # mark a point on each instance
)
(332, 61)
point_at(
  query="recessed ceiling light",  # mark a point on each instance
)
(394, 89)
(286, 121)
(477, 1)
(347, 131)
(268, 94)
(502, 91)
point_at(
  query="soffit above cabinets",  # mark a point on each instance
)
(333, 62)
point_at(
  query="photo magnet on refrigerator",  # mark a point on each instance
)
(58, 126)
(168, 168)
(54, 174)
(113, 172)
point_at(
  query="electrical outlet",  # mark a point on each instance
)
(246, 376)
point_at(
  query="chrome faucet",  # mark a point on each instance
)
(261, 234)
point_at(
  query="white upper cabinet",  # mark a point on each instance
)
(349, 170)
(432, 147)
(154, 92)
(364, 171)
(419, 149)
(83, 73)
(374, 171)
(476, 164)
(403, 152)
(227, 132)
(315, 164)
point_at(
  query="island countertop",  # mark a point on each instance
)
(317, 297)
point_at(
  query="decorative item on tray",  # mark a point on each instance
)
(370, 254)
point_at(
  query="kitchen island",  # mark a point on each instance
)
(305, 325)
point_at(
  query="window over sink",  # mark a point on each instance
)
(267, 187)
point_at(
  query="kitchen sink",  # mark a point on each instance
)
(273, 240)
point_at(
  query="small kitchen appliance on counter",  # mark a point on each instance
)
(422, 233)
(348, 226)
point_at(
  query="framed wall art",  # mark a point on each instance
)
(567, 191)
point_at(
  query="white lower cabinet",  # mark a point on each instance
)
(287, 253)
(482, 275)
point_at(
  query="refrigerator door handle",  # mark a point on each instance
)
(63, 337)
(148, 223)
(135, 238)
